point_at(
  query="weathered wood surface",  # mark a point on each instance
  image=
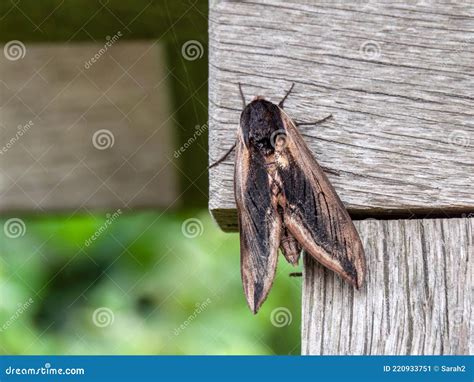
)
(101, 135)
(418, 297)
(397, 77)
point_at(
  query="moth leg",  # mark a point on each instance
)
(296, 274)
(280, 104)
(242, 96)
(223, 158)
(315, 122)
(330, 171)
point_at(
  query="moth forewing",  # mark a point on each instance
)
(259, 226)
(333, 239)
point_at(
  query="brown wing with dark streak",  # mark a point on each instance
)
(313, 212)
(259, 225)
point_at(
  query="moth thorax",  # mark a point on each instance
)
(264, 145)
(281, 159)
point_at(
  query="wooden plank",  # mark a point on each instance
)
(100, 134)
(418, 296)
(396, 77)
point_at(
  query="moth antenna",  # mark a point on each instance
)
(315, 122)
(280, 104)
(242, 96)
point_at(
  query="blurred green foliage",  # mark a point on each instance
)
(164, 287)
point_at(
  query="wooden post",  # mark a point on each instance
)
(417, 298)
(397, 79)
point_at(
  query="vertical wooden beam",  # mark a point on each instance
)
(417, 299)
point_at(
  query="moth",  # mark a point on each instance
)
(285, 201)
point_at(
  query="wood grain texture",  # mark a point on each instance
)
(55, 165)
(418, 296)
(398, 79)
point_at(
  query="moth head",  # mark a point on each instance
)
(258, 121)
